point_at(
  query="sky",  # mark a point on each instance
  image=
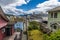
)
(19, 7)
(31, 5)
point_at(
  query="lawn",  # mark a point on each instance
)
(35, 35)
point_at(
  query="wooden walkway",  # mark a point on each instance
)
(24, 37)
(13, 36)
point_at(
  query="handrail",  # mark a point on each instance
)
(15, 37)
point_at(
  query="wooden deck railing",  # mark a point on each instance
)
(15, 37)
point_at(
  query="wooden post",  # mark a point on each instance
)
(26, 27)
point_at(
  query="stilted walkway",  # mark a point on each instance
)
(24, 37)
(13, 36)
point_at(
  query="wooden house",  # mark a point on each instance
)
(54, 18)
(4, 29)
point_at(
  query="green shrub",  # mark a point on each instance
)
(29, 28)
(46, 37)
(25, 32)
(33, 25)
(53, 36)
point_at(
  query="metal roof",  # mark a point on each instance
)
(55, 9)
(3, 15)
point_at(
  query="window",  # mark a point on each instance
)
(3, 30)
(54, 15)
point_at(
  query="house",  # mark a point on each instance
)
(3, 23)
(4, 29)
(54, 18)
(9, 29)
(11, 17)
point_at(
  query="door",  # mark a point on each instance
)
(8, 31)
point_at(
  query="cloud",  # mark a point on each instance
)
(47, 5)
(5, 2)
(38, 11)
(9, 6)
(13, 2)
(13, 11)
(27, 1)
(53, 0)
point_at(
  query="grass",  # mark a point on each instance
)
(35, 35)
